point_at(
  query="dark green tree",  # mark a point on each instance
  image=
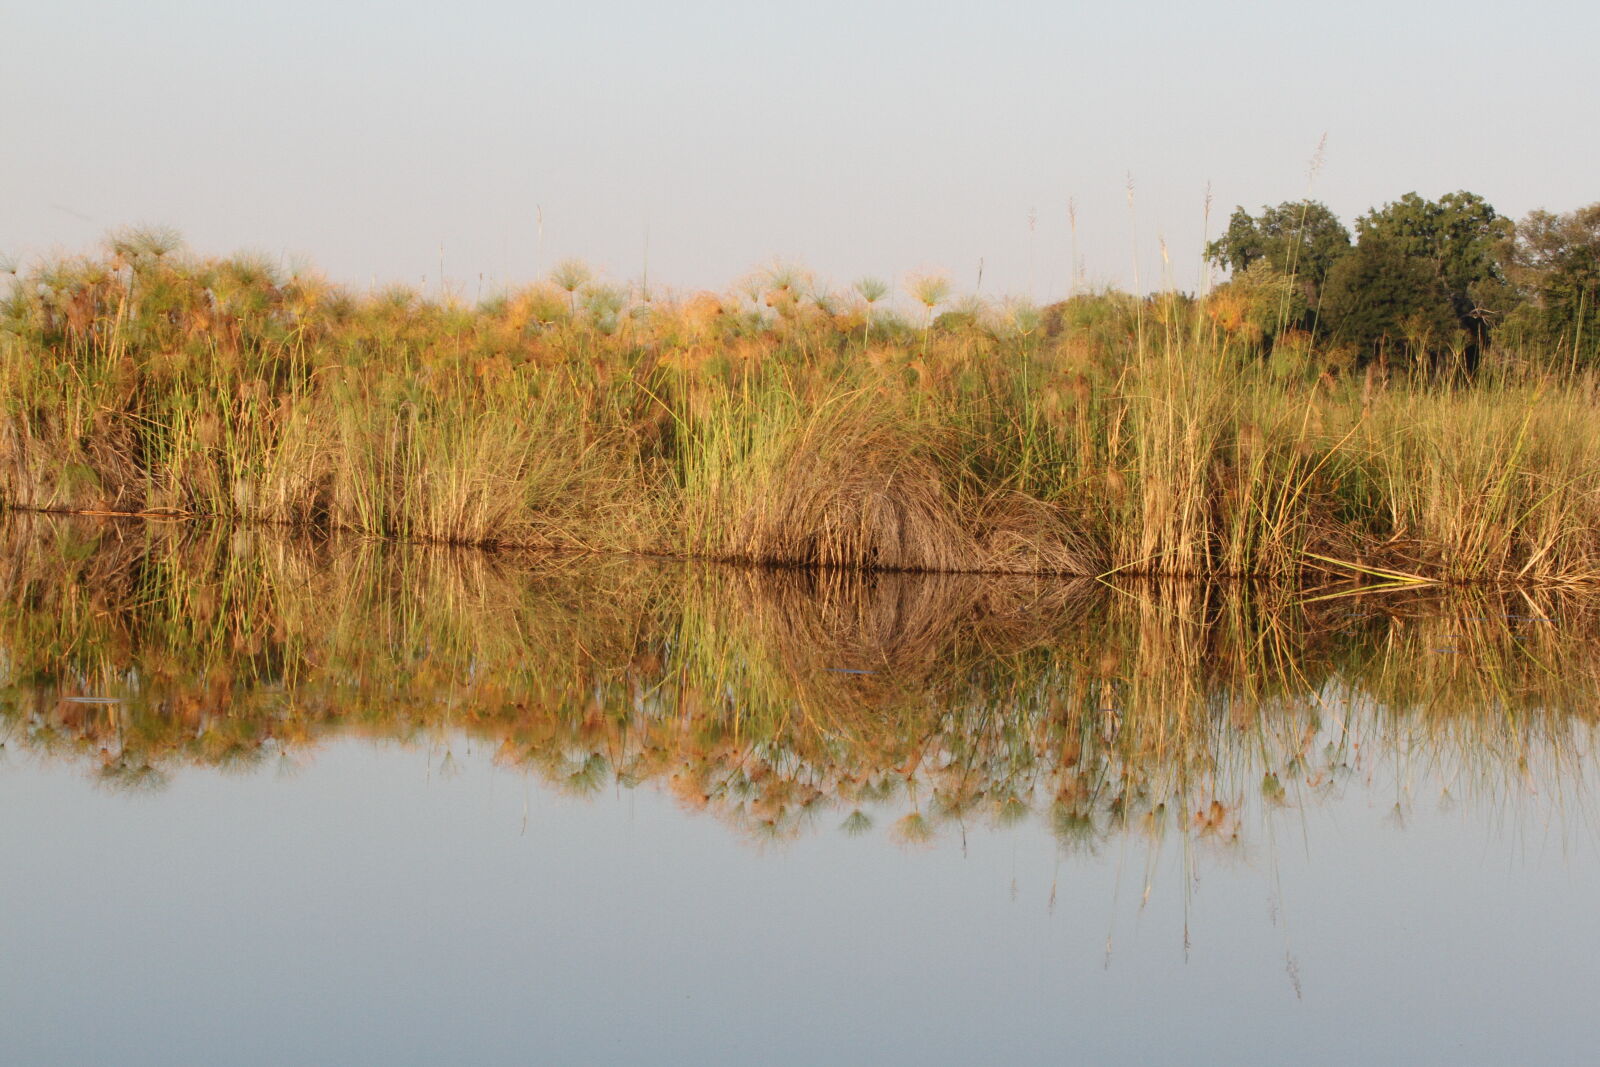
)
(1300, 238)
(1381, 297)
(1461, 235)
(1554, 263)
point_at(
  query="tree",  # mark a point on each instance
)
(1381, 296)
(1554, 262)
(1299, 238)
(1460, 234)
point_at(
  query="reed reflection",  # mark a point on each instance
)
(793, 702)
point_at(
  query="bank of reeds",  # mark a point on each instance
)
(783, 426)
(774, 699)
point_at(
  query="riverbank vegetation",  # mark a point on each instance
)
(1420, 403)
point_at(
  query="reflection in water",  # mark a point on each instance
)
(1057, 767)
(786, 702)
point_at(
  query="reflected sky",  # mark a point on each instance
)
(365, 907)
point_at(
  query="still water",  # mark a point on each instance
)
(266, 802)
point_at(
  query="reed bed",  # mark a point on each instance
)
(782, 701)
(784, 425)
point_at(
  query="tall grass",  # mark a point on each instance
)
(782, 425)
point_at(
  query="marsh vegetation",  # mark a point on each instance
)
(1333, 408)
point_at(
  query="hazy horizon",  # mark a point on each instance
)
(705, 142)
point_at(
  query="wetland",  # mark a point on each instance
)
(586, 673)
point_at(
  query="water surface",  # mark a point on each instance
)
(269, 801)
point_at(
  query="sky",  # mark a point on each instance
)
(477, 143)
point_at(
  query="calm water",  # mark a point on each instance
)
(270, 802)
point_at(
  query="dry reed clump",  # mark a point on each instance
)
(851, 485)
(1018, 534)
(857, 492)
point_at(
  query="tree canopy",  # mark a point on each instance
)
(1554, 263)
(1461, 234)
(1428, 274)
(1382, 295)
(1299, 238)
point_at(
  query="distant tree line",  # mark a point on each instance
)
(1430, 279)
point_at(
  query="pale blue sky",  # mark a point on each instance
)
(855, 138)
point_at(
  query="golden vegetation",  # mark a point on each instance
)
(784, 424)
